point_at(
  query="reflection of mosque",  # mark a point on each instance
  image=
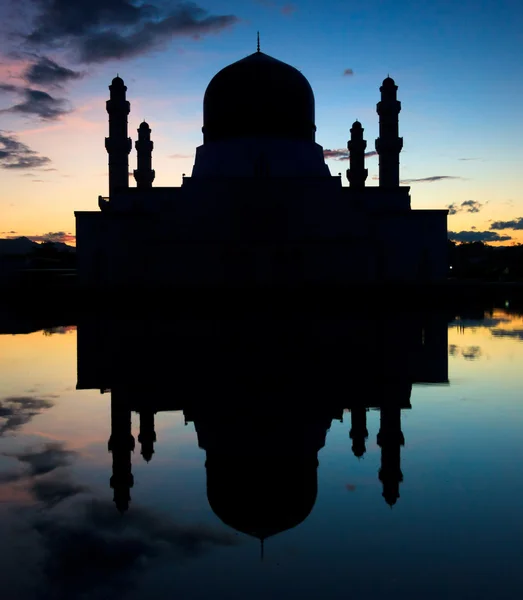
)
(262, 396)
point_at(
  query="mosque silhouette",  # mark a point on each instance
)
(262, 395)
(260, 207)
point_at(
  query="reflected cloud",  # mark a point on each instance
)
(467, 352)
(16, 411)
(508, 333)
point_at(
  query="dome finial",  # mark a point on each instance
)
(258, 42)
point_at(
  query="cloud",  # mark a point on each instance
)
(36, 102)
(342, 154)
(467, 352)
(54, 237)
(514, 224)
(339, 154)
(470, 206)
(181, 156)
(16, 411)
(430, 179)
(39, 461)
(508, 333)
(477, 236)
(348, 72)
(469, 159)
(101, 30)
(288, 9)
(47, 72)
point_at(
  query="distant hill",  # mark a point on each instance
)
(23, 246)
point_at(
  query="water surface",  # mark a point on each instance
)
(378, 456)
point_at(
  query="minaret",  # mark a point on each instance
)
(118, 145)
(389, 144)
(144, 175)
(121, 444)
(147, 435)
(390, 439)
(358, 431)
(357, 173)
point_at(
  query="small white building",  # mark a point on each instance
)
(260, 207)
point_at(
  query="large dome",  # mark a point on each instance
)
(258, 96)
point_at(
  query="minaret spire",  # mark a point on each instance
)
(357, 173)
(118, 144)
(258, 44)
(390, 439)
(144, 174)
(389, 144)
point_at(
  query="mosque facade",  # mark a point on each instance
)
(260, 207)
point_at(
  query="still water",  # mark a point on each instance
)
(371, 457)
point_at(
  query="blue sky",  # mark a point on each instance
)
(459, 69)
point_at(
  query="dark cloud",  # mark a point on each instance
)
(467, 352)
(468, 158)
(47, 72)
(54, 237)
(514, 224)
(16, 411)
(470, 206)
(477, 236)
(53, 490)
(16, 155)
(348, 72)
(341, 154)
(45, 460)
(37, 102)
(101, 30)
(431, 179)
(508, 333)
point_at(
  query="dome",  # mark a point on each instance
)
(258, 96)
(260, 499)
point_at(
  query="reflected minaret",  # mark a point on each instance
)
(118, 144)
(390, 439)
(121, 444)
(389, 144)
(358, 431)
(147, 435)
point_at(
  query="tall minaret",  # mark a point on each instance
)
(357, 173)
(389, 144)
(118, 145)
(390, 439)
(121, 444)
(144, 174)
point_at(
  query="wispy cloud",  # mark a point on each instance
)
(48, 72)
(342, 154)
(17, 155)
(470, 206)
(477, 236)
(284, 9)
(431, 179)
(36, 103)
(180, 156)
(16, 411)
(97, 31)
(513, 224)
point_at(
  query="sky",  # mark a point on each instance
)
(458, 67)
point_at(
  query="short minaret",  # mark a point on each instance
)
(390, 439)
(358, 431)
(147, 435)
(144, 174)
(118, 144)
(357, 173)
(389, 144)
(121, 445)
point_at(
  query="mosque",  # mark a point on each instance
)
(260, 207)
(262, 395)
